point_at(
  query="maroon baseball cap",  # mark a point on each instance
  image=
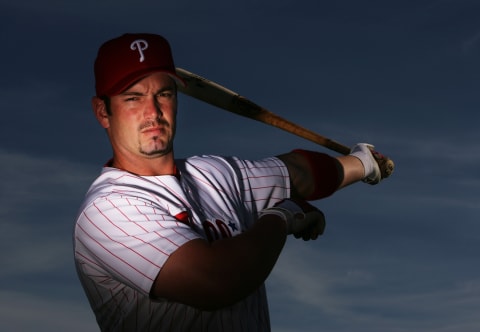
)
(126, 59)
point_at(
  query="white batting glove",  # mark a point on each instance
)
(363, 151)
(302, 219)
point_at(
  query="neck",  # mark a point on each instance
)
(146, 166)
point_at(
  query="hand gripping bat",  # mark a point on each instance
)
(217, 95)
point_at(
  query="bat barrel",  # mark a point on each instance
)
(217, 95)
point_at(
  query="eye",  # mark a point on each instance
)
(166, 96)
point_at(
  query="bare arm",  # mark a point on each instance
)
(214, 275)
(353, 170)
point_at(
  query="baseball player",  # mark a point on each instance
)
(166, 244)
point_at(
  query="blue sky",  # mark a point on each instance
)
(403, 75)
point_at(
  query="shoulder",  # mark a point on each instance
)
(115, 184)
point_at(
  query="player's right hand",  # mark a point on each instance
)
(303, 219)
(377, 166)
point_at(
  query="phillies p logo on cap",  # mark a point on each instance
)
(140, 45)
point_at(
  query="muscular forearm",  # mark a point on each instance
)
(352, 169)
(210, 276)
(250, 257)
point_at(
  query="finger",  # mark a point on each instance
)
(311, 233)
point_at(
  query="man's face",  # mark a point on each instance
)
(143, 118)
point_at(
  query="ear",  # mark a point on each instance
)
(100, 111)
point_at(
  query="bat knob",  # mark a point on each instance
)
(386, 165)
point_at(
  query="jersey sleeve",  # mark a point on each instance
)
(264, 182)
(128, 238)
(260, 183)
(231, 191)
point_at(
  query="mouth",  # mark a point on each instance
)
(147, 130)
(155, 129)
(154, 126)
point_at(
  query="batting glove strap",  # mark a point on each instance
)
(298, 215)
(288, 211)
(363, 151)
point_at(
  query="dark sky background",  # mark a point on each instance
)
(402, 75)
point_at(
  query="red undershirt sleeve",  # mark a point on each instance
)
(326, 173)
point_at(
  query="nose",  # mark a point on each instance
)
(153, 109)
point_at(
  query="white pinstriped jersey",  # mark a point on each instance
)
(128, 226)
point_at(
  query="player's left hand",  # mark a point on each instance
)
(303, 219)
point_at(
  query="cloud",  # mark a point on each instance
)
(40, 197)
(45, 182)
(28, 312)
(344, 291)
(471, 43)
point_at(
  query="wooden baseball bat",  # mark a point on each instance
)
(217, 95)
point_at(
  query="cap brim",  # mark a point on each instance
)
(131, 79)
